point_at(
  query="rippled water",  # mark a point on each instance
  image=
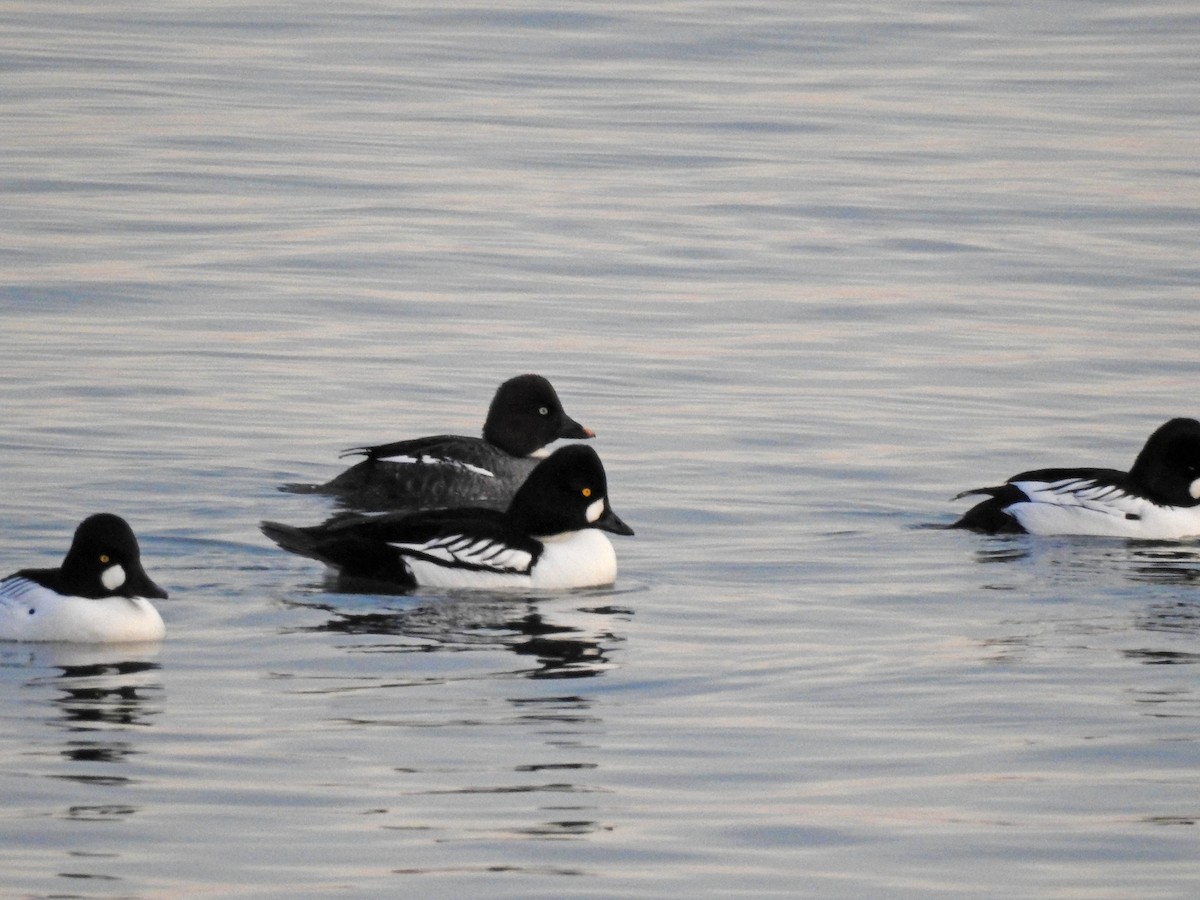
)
(808, 270)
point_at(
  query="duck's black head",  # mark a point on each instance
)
(526, 415)
(1168, 468)
(567, 491)
(105, 561)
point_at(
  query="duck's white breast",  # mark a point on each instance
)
(576, 559)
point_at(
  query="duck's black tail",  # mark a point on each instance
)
(353, 556)
(293, 539)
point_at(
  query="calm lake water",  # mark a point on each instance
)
(808, 270)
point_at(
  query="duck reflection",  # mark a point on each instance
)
(532, 773)
(101, 694)
(1059, 569)
(1169, 620)
(1072, 558)
(569, 641)
(1165, 563)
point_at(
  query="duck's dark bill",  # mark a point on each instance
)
(610, 521)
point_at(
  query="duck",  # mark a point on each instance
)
(100, 593)
(549, 538)
(1157, 499)
(446, 471)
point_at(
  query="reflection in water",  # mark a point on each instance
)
(1101, 566)
(567, 828)
(1066, 558)
(1165, 563)
(1180, 618)
(1167, 703)
(102, 694)
(1001, 554)
(566, 643)
(108, 812)
(484, 870)
(90, 704)
(1163, 657)
(559, 648)
(1167, 621)
(119, 694)
(1170, 820)
(120, 704)
(538, 798)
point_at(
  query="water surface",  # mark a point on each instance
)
(807, 271)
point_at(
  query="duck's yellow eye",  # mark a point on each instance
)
(104, 557)
(587, 492)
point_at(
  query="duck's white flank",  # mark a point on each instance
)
(575, 559)
(30, 612)
(1081, 506)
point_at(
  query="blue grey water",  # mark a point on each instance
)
(808, 270)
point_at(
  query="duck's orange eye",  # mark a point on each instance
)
(587, 492)
(104, 557)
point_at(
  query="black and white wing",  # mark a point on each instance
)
(472, 553)
(1088, 501)
(474, 540)
(471, 454)
(446, 471)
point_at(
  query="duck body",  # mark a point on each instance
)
(1157, 499)
(550, 537)
(100, 594)
(443, 471)
(450, 471)
(30, 611)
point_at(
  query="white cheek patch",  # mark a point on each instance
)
(1194, 489)
(596, 509)
(112, 577)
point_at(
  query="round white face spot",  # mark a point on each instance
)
(112, 577)
(595, 510)
(1194, 489)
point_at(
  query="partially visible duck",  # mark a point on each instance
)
(453, 470)
(100, 593)
(1157, 499)
(550, 537)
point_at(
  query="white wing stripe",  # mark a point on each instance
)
(16, 588)
(438, 461)
(460, 550)
(1082, 492)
